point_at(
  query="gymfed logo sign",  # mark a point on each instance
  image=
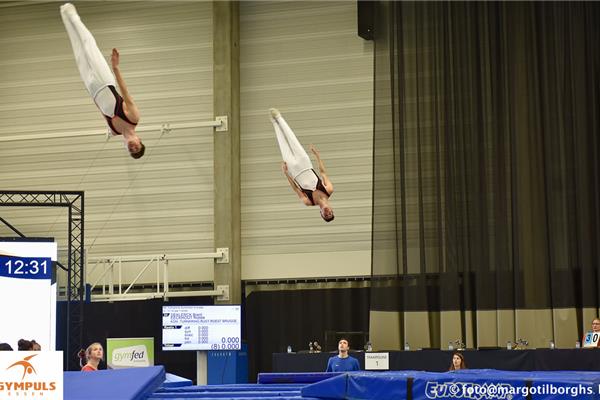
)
(130, 352)
(30, 374)
(133, 356)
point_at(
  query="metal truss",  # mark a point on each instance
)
(75, 270)
(104, 285)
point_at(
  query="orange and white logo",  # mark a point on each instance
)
(31, 375)
(27, 367)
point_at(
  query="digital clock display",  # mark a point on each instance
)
(25, 267)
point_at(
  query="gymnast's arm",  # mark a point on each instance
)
(326, 182)
(294, 186)
(132, 109)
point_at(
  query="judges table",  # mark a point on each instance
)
(439, 360)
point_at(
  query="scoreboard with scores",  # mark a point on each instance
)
(201, 327)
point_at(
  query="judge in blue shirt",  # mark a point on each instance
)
(343, 362)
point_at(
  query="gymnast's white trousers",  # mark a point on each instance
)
(298, 162)
(93, 68)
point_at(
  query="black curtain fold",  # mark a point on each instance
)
(130, 319)
(486, 182)
(278, 318)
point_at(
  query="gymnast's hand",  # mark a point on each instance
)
(315, 151)
(114, 58)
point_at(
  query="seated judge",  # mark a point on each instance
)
(343, 362)
(591, 339)
(458, 362)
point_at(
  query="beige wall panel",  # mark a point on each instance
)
(435, 329)
(450, 328)
(470, 330)
(566, 332)
(417, 330)
(535, 326)
(385, 258)
(488, 329)
(306, 59)
(303, 57)
(384, 330)
(161, 203)
(301, 265)
(506, 327)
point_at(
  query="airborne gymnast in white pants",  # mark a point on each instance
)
(120, 112)
(312, 189)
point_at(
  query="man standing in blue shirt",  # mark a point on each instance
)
(343, 362)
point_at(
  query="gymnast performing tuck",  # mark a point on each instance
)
(298, 169)
(121, 113)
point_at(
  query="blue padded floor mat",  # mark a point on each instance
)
(150, 383)
(118, 384)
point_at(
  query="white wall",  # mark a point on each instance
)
(302, 57)
(305, 59)
(160, 203)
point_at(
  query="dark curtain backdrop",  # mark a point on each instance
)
(122, 319)
(271, 320)
(276, 319)
(486, 157)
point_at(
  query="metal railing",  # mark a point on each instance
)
(220, 125)
(113, 287)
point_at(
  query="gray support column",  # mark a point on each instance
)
(226, 98)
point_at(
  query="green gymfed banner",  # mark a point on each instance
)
(129, 352)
